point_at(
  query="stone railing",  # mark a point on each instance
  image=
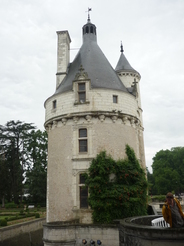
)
(138, 231)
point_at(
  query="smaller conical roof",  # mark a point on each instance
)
(123, 64)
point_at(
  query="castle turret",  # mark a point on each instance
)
(129, 77)
(92, 109)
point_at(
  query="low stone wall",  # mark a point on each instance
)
(138, 231)
(72, 234)
(24, 234)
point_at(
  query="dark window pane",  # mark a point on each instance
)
(115, 99)
(82, 179)
(83, 146)
(54, 104)
(82, 97)
(81, 87)
(82, 133)
(91, 29)
(84, 197)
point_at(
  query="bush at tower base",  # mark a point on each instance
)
(117, 189)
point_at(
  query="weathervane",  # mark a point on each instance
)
(89, 9)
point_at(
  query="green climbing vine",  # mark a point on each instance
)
(117, 189)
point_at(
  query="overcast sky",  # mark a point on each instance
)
(152, 33)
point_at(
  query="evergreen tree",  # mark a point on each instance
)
(36, 174)
(13, 137)
(4, 181)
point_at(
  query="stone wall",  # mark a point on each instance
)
(138, 231)
(24, 234)
(62, 234)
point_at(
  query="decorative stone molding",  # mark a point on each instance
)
(88, 118)
(74, 172)
(64, 120)
(54, 125)
(125, 118)
(75, 119)
(81, 75)
(102, 117)
(131, 120)
(114, 118)
(137, 123)
(47, 128)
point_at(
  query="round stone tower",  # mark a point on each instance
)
(94, 108)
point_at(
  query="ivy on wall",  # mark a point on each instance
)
(117, 189)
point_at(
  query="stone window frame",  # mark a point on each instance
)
(76, 91)
(54, 106)
(115, 98)
(81, 185)
(81, 92)
(76, 153)
(82, 138)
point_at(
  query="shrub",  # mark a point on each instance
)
(21, 212)
(3, 222)
(160, 198)
(37, 215)
(118, 189)
(11, 205)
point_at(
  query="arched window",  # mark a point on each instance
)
(91, 29)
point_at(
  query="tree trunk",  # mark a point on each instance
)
(3, 201)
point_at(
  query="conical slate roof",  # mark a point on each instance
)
(123, 64)
(95, 64)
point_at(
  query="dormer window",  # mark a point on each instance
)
(81, 86)
(82, 92)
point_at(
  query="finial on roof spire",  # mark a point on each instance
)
(89, 9)
(121, 47)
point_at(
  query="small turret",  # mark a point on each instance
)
(125, 71)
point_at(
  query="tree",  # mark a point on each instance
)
(168, 170)
(13, 137)
(151, 183)
(117, 189)
(4, 181)
(36, 175)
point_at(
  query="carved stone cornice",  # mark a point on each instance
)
(114, 118)
(102, 117)
(64, 120)
(89, 116)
